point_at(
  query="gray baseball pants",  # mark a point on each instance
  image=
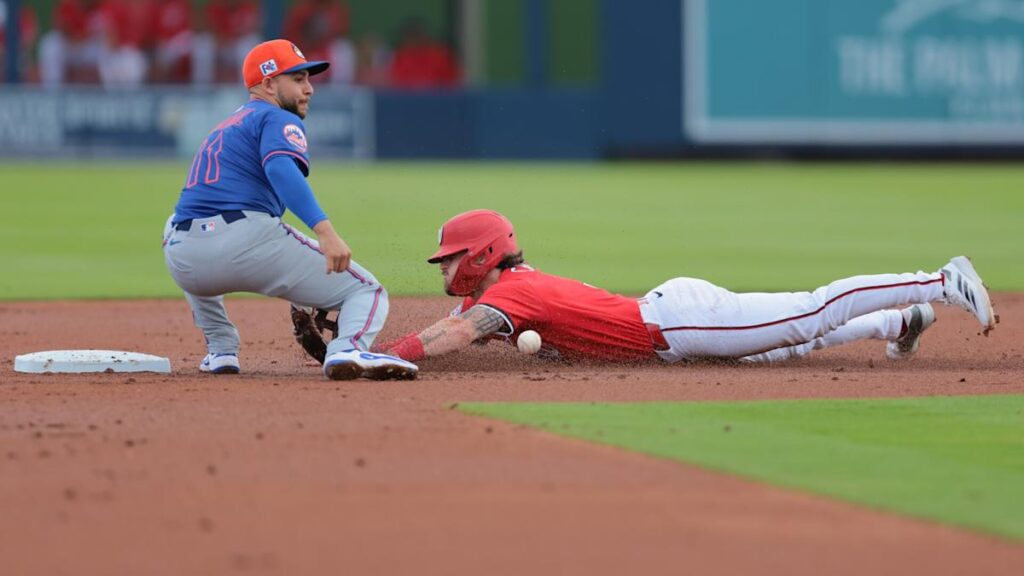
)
(263, 255)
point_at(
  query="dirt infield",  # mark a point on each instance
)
(279, 471)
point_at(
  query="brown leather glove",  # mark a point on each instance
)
(308, 326)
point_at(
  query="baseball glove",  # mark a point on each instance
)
(308, 326)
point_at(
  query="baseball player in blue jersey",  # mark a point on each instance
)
(226, 233)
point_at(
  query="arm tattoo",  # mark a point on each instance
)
(485, 321)
(451, 334)
(431, 334)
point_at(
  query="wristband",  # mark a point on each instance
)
(410, 348)
(382, 346)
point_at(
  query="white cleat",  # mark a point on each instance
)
(917, 319)
(220, 364)
(352, 364)
(964, 288)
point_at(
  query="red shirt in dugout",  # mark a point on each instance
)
(576, 319)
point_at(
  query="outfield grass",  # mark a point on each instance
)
(93, 230)
(958, 460)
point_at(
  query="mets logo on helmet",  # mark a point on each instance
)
(293, 134)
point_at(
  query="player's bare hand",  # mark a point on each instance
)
(338, 255)
(336, 251)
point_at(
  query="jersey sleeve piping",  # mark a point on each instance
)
(303, 163)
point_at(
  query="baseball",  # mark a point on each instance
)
(528, 342)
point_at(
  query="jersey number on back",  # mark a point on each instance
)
(207, 160)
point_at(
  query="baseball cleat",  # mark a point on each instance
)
(352, 364)
(220, 364)
(963, 287)
(917, 319)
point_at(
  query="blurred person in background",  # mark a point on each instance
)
(204, 50)
(113, 46)
(323, 26)
(93, 41)
(60, 59)
(170, 23)
(343, 52)
(420, 61)
(373, 61)
(235, 25)
(28, 33)
(107, 30)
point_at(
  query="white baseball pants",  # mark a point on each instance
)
(701, 320)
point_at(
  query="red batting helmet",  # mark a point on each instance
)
(485, 235)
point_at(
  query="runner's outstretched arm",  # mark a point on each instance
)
(447, 335)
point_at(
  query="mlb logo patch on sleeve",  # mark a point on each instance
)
(207, 226)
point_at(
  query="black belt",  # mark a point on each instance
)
(228, 216)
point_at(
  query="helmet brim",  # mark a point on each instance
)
(446, 252)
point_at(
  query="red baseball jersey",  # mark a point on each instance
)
(574, 319)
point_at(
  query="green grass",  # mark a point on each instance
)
(93, 230)
(958, 460)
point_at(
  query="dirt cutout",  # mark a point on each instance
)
(280, 471)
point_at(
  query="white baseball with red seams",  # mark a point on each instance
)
(528, 342)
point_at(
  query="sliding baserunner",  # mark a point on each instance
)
(682, 319)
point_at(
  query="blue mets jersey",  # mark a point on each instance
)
(228, 171)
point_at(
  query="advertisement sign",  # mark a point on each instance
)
(87, 122)
(872, 71)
